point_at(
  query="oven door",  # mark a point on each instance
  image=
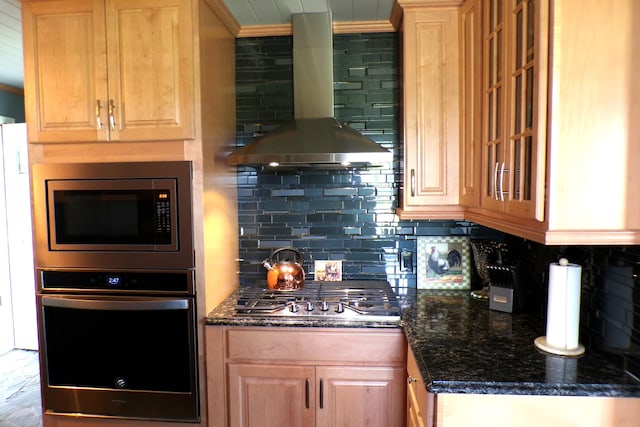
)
(125, 357)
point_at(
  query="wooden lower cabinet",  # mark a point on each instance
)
(417, 411)
(289, 395)
(306, 377)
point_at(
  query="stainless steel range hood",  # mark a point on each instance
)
(314, 138)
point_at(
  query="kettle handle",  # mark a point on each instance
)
(299, 258)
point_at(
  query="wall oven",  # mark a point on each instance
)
(115, 278)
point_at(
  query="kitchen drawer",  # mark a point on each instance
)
(316, 345)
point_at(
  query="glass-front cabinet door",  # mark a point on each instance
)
(493, 99)
(513, 159)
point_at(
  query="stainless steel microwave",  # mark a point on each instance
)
(113, 215)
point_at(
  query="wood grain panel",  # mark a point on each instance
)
(315, 346)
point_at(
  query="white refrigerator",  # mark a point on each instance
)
(18, 324)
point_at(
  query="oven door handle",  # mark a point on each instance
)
(120, 304)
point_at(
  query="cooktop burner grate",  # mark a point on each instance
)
(349, 300)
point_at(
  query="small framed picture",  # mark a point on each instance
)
(328, 271)
(444, 262)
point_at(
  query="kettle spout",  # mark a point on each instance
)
(266, 264)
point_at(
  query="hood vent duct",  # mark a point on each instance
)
(314, 138)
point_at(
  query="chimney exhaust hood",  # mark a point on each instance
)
(314, 138)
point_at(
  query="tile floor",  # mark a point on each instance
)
(20, 404)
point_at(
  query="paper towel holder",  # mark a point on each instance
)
(544, 345)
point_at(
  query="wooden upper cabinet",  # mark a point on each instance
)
(113, 70)
(559, 117)
(431, 112)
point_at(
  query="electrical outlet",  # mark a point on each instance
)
(406, 261)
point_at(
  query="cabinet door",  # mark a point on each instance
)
(417, 408)
(470, 102)
(65, 70)
(493, 105)
(271, 395)
(150, 62)
(431, 113)
(360, 396)
(513, 159)
(522, 154)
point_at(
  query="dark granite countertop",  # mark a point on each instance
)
(463, 347)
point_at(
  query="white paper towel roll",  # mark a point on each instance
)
(563, 310)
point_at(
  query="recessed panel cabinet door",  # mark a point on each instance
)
(360, 396)
(431, 113)
(271, 395)
(150, 62)
(65, 70)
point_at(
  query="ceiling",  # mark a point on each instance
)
(10, 43)
(273, 12)
(248, 13)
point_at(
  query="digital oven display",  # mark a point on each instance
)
(113, 281)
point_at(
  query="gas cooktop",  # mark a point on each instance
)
(364, 300)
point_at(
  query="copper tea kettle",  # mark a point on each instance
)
(285, 270)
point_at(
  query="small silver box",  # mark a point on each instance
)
(501, 299)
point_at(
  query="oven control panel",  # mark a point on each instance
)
(106, 281)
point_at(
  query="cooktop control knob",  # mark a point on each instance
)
(309, 306)
(340, 308)
(324, 306)
(294, 308)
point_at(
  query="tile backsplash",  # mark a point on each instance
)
(345, 215)
(348, 215)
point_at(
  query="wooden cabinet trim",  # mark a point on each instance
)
(316, 346)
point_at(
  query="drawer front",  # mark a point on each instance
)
(312, 345)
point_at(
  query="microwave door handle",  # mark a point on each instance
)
(88, 303)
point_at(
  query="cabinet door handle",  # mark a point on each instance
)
(112, 117)
(413, 183)
(98, 115)
(502, 182)
(321, 394)
(306, 392)
(495, 180)
(411, 380)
